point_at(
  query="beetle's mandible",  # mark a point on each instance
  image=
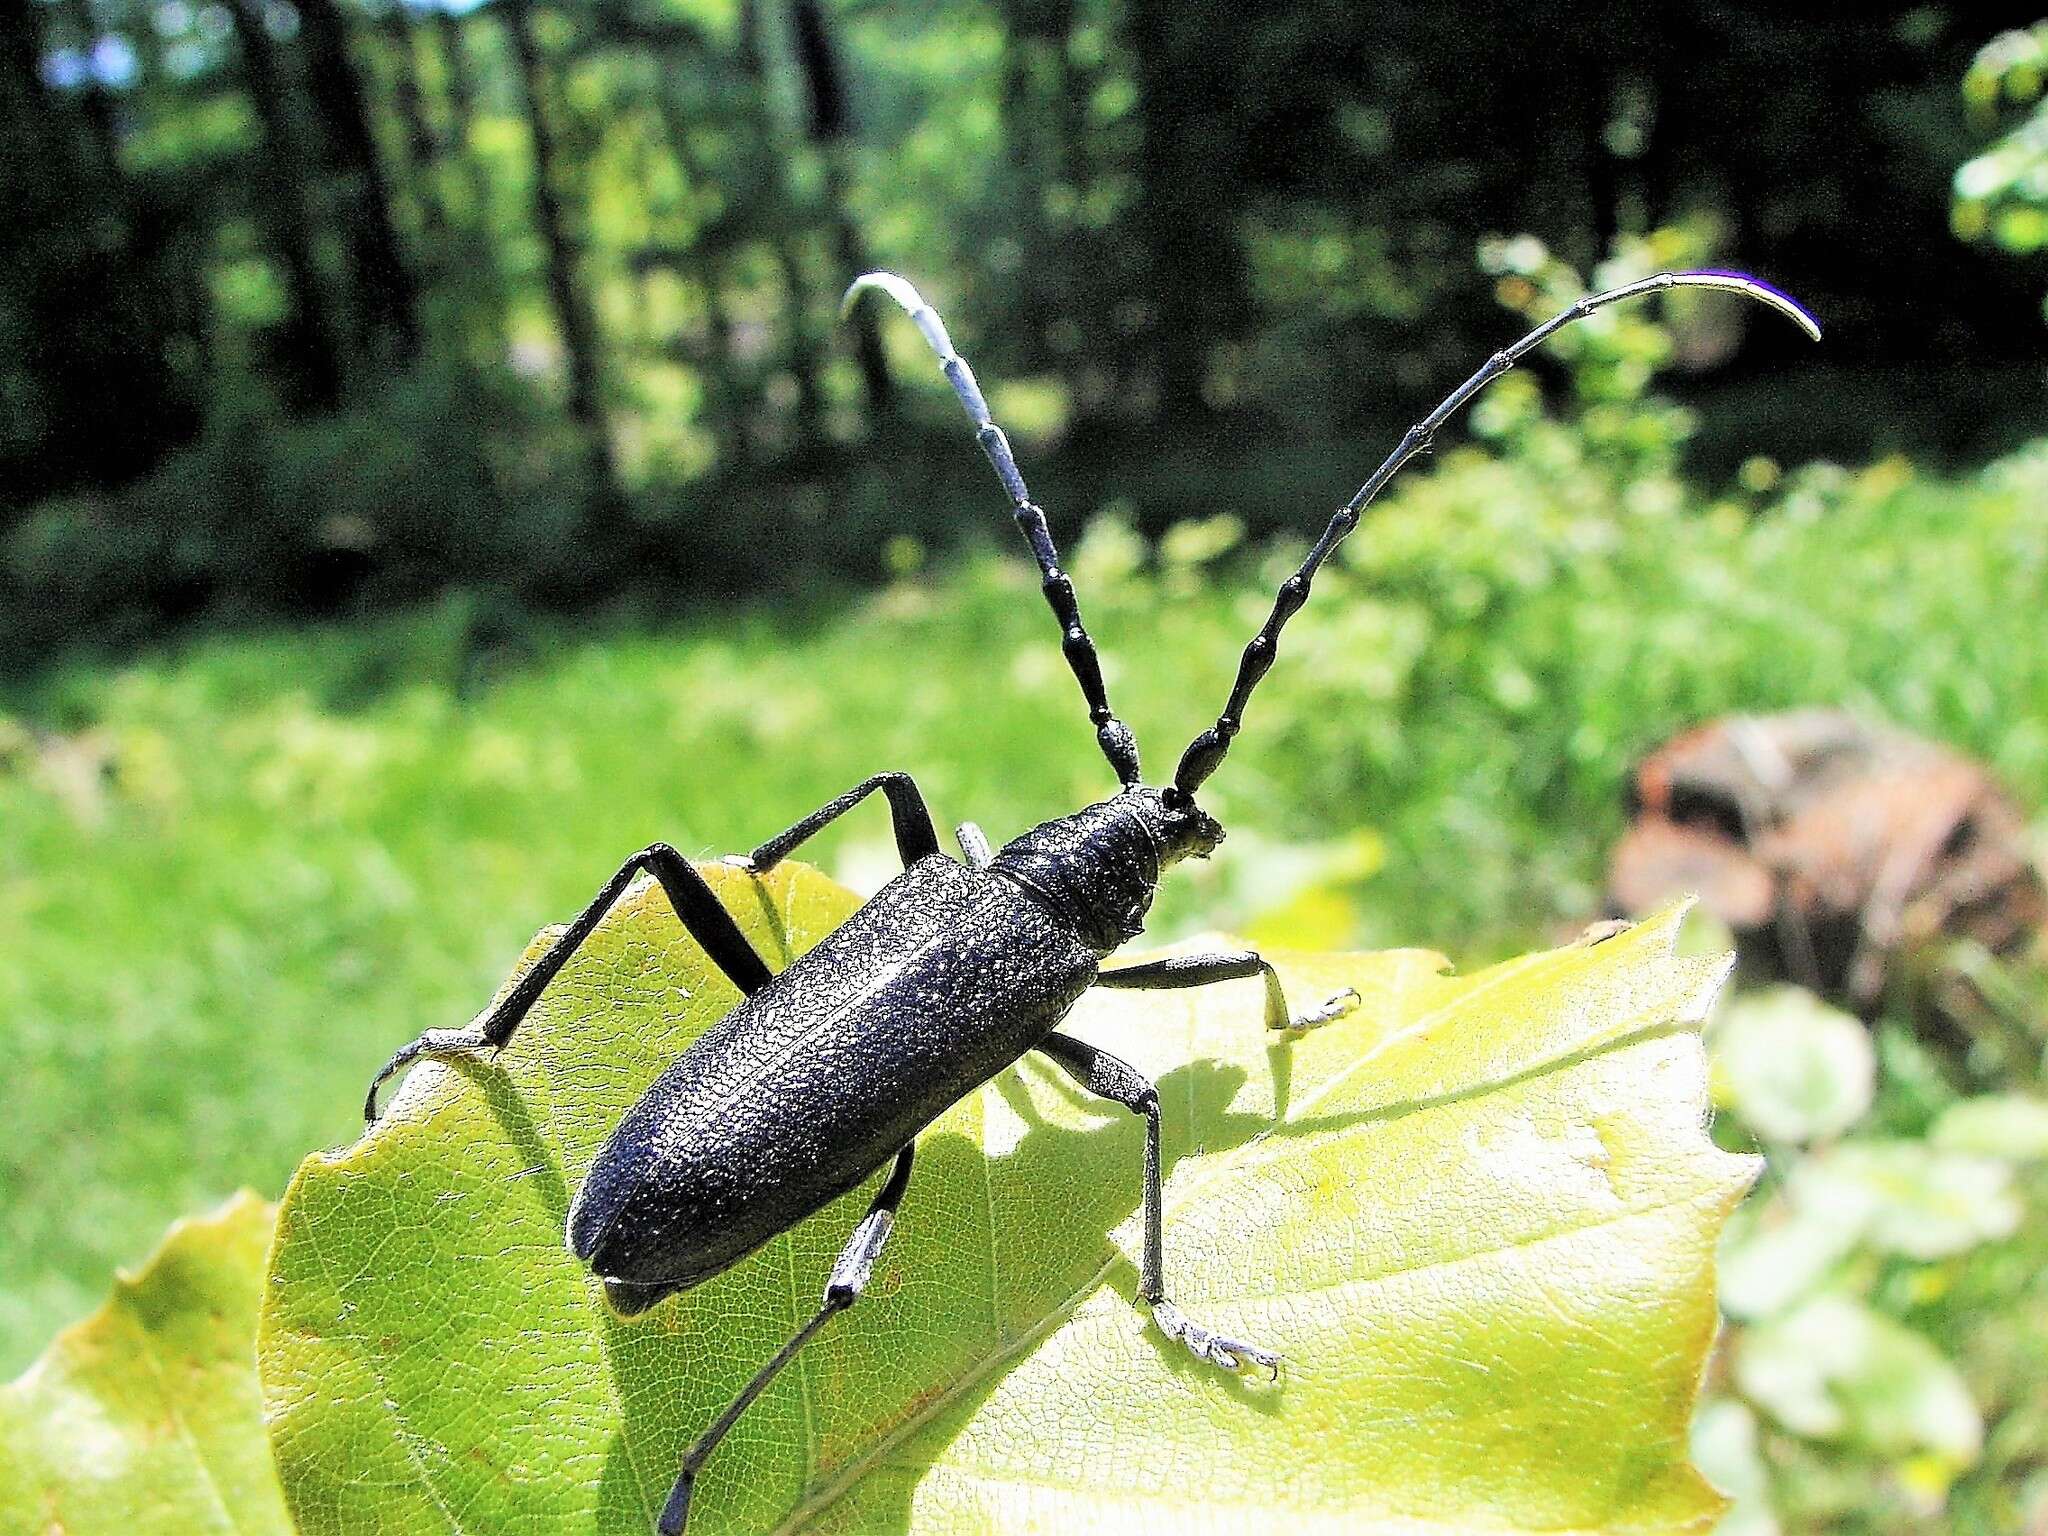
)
(953, 971)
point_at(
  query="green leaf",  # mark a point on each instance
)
(1793, 1068)
(146, 1417)
(2008, 1126)
(1477, 1216)
(1903, 1197)
(1835, 1370)
(1914, 1199)
(1778, 1252)
(1724, 1443)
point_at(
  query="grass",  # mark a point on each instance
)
(236, 875)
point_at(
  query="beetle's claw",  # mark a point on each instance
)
(1333, 1007)
(743, 862)
(1205, 1344)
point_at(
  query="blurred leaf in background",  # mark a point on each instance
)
(146, 1416)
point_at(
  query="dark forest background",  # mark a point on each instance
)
(308, 307)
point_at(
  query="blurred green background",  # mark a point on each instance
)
(431, 468)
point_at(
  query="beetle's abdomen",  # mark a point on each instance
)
(946, 977)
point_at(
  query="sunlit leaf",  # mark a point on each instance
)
(1777, 1253)
(1477, 1217)
(145, 1417)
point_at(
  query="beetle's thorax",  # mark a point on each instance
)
(1097, 869)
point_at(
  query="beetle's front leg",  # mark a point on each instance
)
(1201, 970)
(695, 903)
(1115, 1079)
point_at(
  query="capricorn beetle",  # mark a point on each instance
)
(950, 973)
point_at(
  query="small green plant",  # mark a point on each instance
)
(1843, 1403)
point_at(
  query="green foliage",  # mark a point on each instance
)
(1846, 1283)
(1476, 1217)
(1832, 1369)
(241, 344)
(146, 1417)
(1796, 1069)
(236, 873)
(1996, 1125)
(266, 509)
(2001, 194)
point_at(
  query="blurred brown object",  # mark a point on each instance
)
(1833, 848)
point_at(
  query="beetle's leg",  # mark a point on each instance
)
(974, 845)
(695, 903)
(915, 837)
(1200, 970)
(849, 1279)
(1116, 1079)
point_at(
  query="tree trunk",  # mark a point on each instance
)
(728, 398)
(1190, 186)
(423, 148)
(831, 128)
(462, 111)
(387, 299)
(770, 177)
(305, 350)
(572, 314)
(89, 396)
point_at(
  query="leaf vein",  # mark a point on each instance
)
(151, 1353)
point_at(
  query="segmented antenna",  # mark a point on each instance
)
(1111, 734)
(1207, 750)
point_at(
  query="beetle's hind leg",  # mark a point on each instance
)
(1200, 970)
(1113, 1078)
(695, 903)
(849, 1278)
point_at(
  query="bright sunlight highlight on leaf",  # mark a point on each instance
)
(1477, 1217)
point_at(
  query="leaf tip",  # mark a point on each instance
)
(1712, 976)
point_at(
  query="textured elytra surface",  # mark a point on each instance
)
(1477, 1216)
(145, 1416)
(953, 973)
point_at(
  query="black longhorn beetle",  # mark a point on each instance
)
(948, 975)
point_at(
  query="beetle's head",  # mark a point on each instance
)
(1099, 867)
(1183, 828)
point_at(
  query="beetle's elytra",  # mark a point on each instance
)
(952, 972)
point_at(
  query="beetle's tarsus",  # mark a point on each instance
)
(1333, 1007)
(1206, 1344)
(741, 861)
(435, 1042)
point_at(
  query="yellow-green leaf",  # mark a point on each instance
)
(145, 1417)
(1477, 1216)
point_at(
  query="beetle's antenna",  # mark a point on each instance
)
(1206, 751)
(1111, 734)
